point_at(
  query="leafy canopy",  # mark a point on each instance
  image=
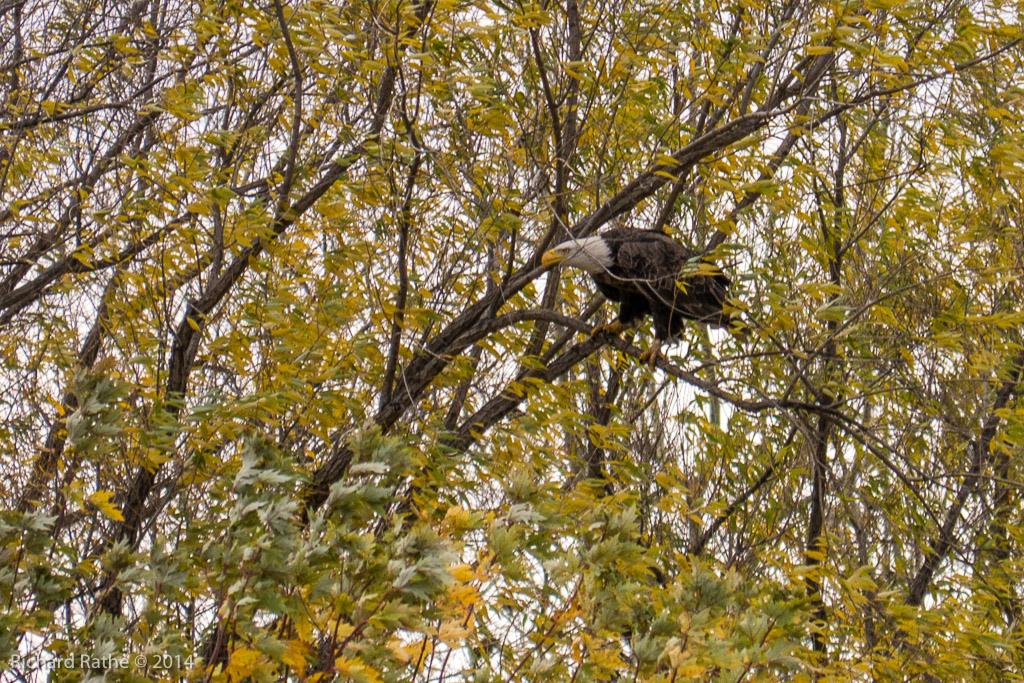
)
(286, 394)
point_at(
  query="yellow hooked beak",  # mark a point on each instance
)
(552, 257)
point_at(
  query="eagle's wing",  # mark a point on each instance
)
(609, 287)
(651, 261)
(645, 253)
(675, 283)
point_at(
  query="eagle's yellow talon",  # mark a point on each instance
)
(612, 328)
(651, 355)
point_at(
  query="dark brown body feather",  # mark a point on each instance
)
(652, 273)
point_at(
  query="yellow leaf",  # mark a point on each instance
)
(345, 630)
(806, 571)
(101, 499)
(461, 572)
(463, 594)
(295, 654)
(452, 633)
(243, 663)
(400, 651)
(406, 653)
(356, 670)
(692, 671)
(607, 658)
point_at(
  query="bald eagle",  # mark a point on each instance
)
(648, 272)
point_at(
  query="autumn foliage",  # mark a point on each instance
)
(286, 393)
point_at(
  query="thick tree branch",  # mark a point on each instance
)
(398, 318)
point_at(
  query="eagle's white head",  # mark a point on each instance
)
(592, 254)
